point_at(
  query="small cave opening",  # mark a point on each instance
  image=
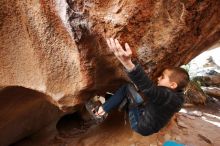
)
(23, 113)
(72, 125)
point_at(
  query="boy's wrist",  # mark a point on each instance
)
(129, 66)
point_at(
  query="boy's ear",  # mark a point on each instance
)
(173, 85)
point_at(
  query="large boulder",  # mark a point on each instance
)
(57, 48)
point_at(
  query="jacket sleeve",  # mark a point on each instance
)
(156, 94)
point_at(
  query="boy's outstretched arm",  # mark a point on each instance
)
(123, 55)
(136, 73)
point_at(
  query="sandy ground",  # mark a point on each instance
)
(192, 129)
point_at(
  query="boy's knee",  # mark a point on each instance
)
(128, 86)
(125, 87)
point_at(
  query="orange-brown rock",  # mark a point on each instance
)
(57, 48)
(194, 94)
(212, 91)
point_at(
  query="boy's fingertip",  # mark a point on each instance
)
(111, 40)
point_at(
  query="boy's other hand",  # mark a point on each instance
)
(123, 55)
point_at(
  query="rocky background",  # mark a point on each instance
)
(204, 72)
(53, 55)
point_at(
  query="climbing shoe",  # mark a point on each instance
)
(93, 107)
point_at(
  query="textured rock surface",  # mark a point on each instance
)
(37, 52)
(23, 112)
(58, 48)
(194, 94)
(190, 129)
(212, 91)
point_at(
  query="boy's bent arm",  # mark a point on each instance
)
(147, 87)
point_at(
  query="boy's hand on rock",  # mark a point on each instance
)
(123, 55)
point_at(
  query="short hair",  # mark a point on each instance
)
(180, 76)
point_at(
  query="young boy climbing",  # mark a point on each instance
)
(151, 111)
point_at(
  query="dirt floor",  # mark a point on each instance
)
(195, 126)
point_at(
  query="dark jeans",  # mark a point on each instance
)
(116, 99)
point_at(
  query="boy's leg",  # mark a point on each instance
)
(99, 113)
(134, 111)
(134, 115)
(125, 92)
(134, 95)
(133, 98)
(115, 99)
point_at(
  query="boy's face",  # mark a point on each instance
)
(164, 80)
